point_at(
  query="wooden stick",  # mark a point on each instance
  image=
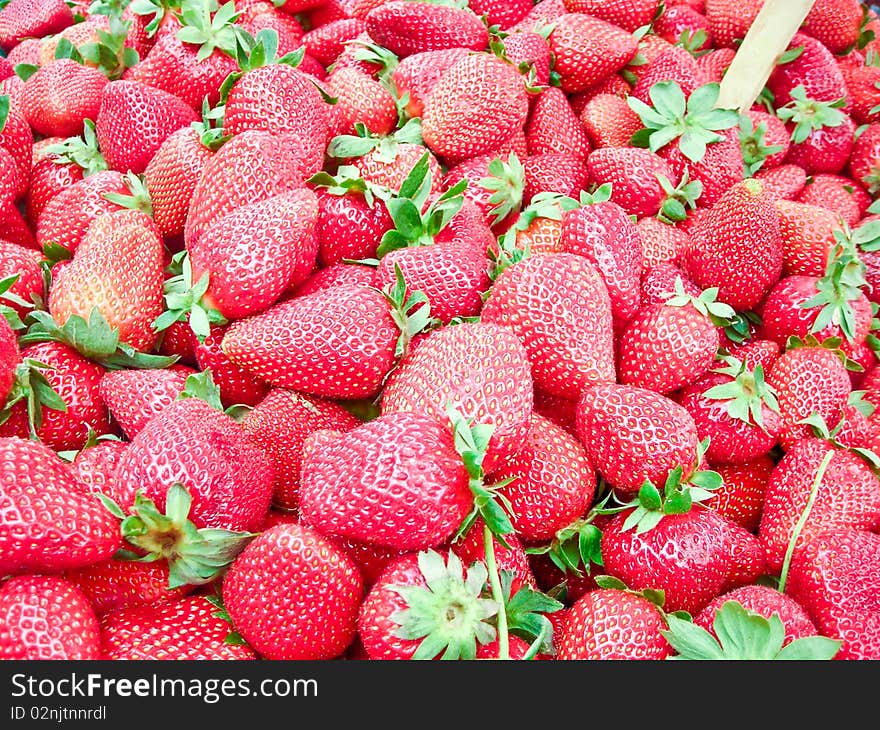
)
(766, 40)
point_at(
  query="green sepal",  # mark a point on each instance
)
(506, 181)
(808, 115)
(184, 300)
(746, 393)
(82, 151)
(410, 312)
(201, 385)
(209, 27)
(30, 386)
(526, 613)
(575, 548)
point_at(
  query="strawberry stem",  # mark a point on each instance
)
(497, 595)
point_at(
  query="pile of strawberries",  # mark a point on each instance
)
(391, 329)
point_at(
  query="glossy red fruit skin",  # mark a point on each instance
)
(348, 227)
(46, 617)
(848, 497)
(609, 624)
(417, 74)
(326, 277)
(685, 555)
(60, 96)
(406, 29)
(815, 69)
(553, 481)
(237, 385)
(292, 594)
(835, 577)
(32, 18)
(825, 150)
(51, 522)
(632, 172)
(632, 434)
(558, 306)
(114, 585)
(483, 369)
(837, 194)
(10, 356)
(740, 498)
(784, 182)
(95, 469)
(286, 345)
(396, 481)
(185, 629)
(766, 602)
(807, 237)
(229, 478)
(280, 424)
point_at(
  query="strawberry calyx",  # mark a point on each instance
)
(416, 221)
(184, 299)
(694, 42)
(411, 313)
(233, 637)
(93, 339)
(706, 304)
(253, 52)
(201, 385)
(448, 615)
(6, 310)
(693, 121)
(349, 146)
(832, 344)
(656, 596)
(31, 387)
(506, 181)
(741, 326)
(575, 548)
(348, 180)
(82, 151)
(4, 110)
(743, 634)
(526, 612)
(108, 54)
(139, 197)
(210, 26)
(210, 126)
(808, 115)
(678, 198)
(746, 394)
(155, 8)
(92, 440)
(195, 556)
(820, 430)
(373, 53)
(752, 143)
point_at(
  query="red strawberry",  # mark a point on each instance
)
(588, 50)
(815, 69)
(114, 585)
(190, 443)
(784, 182)
(405, 28)
(46, 617)
(736, 246)
(418, 73)
(353, 485)
(633, 175)
(23, 263)
(293, 595)
(684, 22)
(835, 578)
(613, 624)
(482, 369)
(280, 424)
(609, 121)
(836, 23)
(21, 19)
(51, 523)
(16, 139)
(95, 468)
(628, 14)
(59, 96)
(552, 481)
(503, 13)
(529, 52)
(674, 64)
(659, 283)
(764, 140)
(475, 108)
(10, 357)
(807, 233)
(847, 496)
(326, 41)
(327, 277)
(236, 385)
(861, 84)
(821, 135)
(512, 558)
(558, 306)
(837, 194)
(633, 435)
(360, 100)
(740, 498)
(185, 629)
(554, 127)
(864, 163)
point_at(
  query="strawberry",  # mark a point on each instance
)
(588, 50)
(864, 163)
(51, 523)
(482, 369)
(861, 85)
(784, 182)
(558, 306)
(280, 424)
(418, 73)
(20, 270)
(190, 443)
(352, 487)
(405, 28)
(659, 283)
(116, 270)
(740, 498)
(16, 139)
(135, 396)
(94, 467)
(683, 22)
(634, 177)
(821, 134)
(185, 629)
(814, 68)
(58, 97)
(835, 578)
(10, 357)
(601, 232)
(764, 140)
(236, 384)
(609, 623)
(511, 558)
(836, 23)
(327, 41)
(662, 244)
(477, 106)
(625, 13)
(360, 100)
(552, 172)
(551, 481)
(673, 64)
(737, 246)
(530, 53)
(309, 593)
(837, 194)
(114, 585)
(503, 13)
(554, 127)
(21, 19)
(46, 617)
(609, 121)
(671, 344)
(834, 484)
(332, 275)
(807, 233)
(633, 435)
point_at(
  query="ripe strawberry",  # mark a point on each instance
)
(51, 522)
(737, 246)
(388, 167)
(46, 617)
(609, 623)
(861, 84)
(327, 41)
(554, 127)
(360, 100)
(633, 435)
(558, 306)
(10, 357)
(835, 578)
(135, 396)
(784, 182)
(59, 96)
(418, 73)
(482, 369)
(24, 264)
(477, 106)
(503, 13)
(280, 424)
(405, 29)
(237, 385)
(326, 277)
(530, 53)
(293, 595)
(815, 69)
(552, 483)
(740, 498)
(259, 15)
(22, 19)
(185, 629)
(633, 175)
(683, 21)
(659, 283)
(864, 163)
(114, 585)
(836, 23)
(807, 233)
(609, 121)
(821, 135)
(673, 64)
(847, 495)
(764, 140)
(118, 270)
(669, 345)
(16, 139)
(601, 232)
(588, 50)
(837, 194)
(553, 172)
(352, 485)
(94, 467)
(190, 443)
(471, 548)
